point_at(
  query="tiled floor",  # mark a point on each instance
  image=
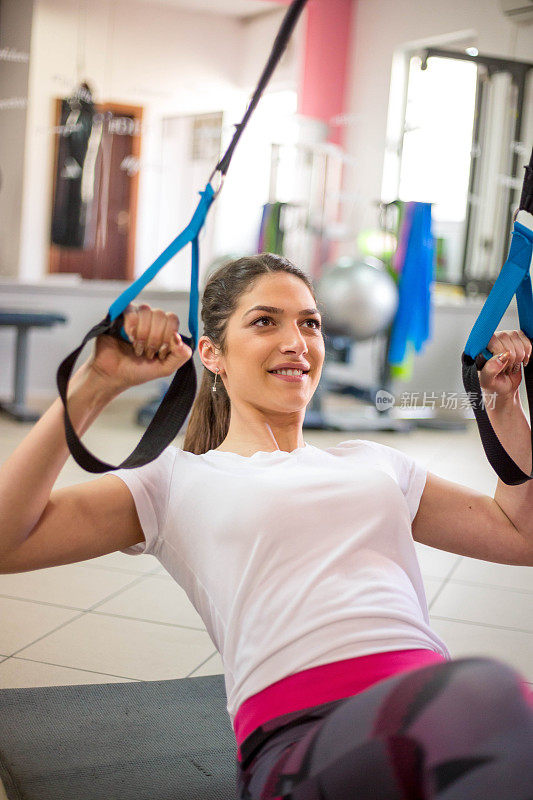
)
(122, 618)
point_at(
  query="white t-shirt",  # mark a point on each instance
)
(292, 560)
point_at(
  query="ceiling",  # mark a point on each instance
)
(234, 8)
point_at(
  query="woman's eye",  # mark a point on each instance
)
(316, 321)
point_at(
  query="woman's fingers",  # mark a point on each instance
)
(154, 331)
(155, 335)
(527, 347)
(519, 350)
(178, 347)
(516, 344)
(171, 327)
(144, 321)
(150, 329)
(131, 319)
(506, 342)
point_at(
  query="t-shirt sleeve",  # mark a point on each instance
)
(150, 488)
(409, 474)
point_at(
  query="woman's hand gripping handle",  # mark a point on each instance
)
(156, 349)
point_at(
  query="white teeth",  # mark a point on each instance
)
(287, 372)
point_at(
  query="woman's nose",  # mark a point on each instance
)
(296, 342)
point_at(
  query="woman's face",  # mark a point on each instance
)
(258, 341)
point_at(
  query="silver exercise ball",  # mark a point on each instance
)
(359, 298)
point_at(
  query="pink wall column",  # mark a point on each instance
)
(324, 81)
(325, 71)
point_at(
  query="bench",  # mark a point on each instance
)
(23, 321)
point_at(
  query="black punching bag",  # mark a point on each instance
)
(70, 211)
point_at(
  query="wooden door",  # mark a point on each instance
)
(106, 251)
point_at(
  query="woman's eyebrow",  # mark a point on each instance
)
(273, 310)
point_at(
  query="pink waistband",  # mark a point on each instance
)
(323, 684)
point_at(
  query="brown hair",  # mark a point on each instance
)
(210, 414)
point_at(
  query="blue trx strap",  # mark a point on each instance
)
(514, 279)
(188, 235)
(180, 396)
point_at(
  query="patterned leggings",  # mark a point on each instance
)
(459, 730)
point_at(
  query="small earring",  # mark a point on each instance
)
(214, 387)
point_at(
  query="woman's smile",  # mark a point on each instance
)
(290, 378)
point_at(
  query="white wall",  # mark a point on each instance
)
(170, 61)
(381, 28)
(247, 184)
(259, 37)
(167, 60)
(15, 35)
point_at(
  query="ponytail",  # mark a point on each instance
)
(210, 416)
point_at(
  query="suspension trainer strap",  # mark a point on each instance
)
(280, 44)
(514, 279)
(181, 393)
(168, 418)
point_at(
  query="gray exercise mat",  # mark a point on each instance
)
(145, 740)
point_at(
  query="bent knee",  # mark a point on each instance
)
(487, 672)
(486, 681)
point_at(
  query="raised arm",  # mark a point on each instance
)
(39, 527)
(460, 520)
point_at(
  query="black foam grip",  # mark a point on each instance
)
(503, 465)
(165, 424)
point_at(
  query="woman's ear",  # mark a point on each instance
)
(208, 353)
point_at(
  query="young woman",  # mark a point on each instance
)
(301, 561)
